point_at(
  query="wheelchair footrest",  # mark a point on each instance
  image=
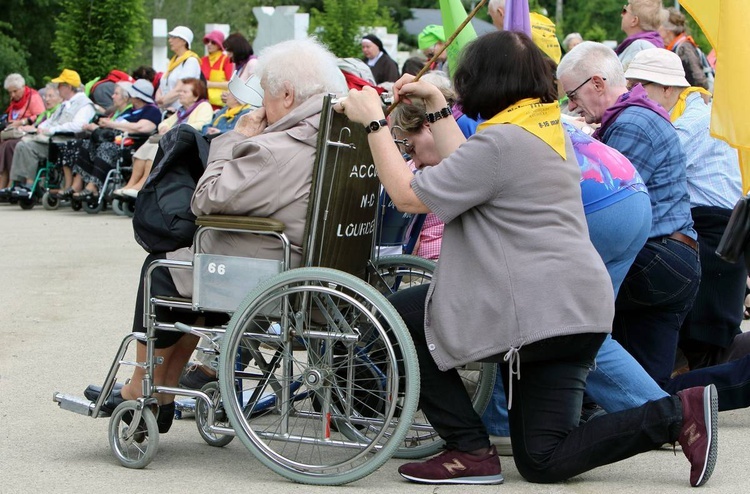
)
(74, 403)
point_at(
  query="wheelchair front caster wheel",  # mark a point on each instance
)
(134, 445)
(50, 201)
(220, 416)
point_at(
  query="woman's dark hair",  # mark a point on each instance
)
(499, 69)
(240, 47)
(198, 87)
(144, 72)
(413, 65)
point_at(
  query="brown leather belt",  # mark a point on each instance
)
(680, 237)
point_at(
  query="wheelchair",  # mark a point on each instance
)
(317, 373)
(49, 175)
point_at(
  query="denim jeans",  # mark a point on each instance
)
(548, 444)
(654, 300)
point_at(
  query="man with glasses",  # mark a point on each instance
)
(640, 21)
(75, 111)
(660, 287)
(431, 40)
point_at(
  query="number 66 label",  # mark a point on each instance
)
(216, 268)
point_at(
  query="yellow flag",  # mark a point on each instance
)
(453, 13)
(724, 23)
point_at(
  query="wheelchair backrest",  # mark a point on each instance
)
(344, 197)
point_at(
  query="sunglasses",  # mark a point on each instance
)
(624, 9)
(632, 84)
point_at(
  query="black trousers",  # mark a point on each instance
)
(548, 444)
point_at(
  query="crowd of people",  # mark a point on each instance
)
(85, 129)
(595, 168)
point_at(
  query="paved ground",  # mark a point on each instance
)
(67, 287)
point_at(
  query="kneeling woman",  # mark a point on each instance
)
(515, 227)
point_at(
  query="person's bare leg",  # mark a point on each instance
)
(167, 374)
(4, 179)
(77, 183)
(135, 176)
(146, 171)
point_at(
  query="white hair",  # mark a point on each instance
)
(14, 81)
(440, 80)
(304, 64)
(570, 37)
(591, 58)
(496, 4)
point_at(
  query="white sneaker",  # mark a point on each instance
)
(130, 192)
(502, 443)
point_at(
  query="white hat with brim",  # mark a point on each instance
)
(141, 89)
(657, 65)
(248, 91)
(183, 33)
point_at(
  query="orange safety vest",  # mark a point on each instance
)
(215, 73)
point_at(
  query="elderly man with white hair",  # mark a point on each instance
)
(261, 168)
(711, 333)
(660, 287)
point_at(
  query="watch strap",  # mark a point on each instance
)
(376, 125)
(443, 113)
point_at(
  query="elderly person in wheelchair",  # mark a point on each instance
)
(261, 168)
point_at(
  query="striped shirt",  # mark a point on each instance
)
(713, 169)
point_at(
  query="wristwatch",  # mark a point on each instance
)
(375, 125)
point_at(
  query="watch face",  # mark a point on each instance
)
(374, 125)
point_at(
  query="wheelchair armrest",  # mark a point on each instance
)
(241, 223)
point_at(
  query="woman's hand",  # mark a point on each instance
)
(212, 131)
(406, 88)
(361, 106)
(106, 122)
(90, 127)
(253, 123)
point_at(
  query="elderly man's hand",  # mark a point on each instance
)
(253, 123)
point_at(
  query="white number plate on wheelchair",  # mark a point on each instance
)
(221, 283)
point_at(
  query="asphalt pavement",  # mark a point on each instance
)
(68, 283)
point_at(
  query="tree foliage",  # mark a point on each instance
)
(12, 59)
(341, 24)
(96, 36)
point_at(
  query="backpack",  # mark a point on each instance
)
(163, 220)
(708, 71)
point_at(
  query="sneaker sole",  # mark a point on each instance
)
(711, 418)
(484, 480)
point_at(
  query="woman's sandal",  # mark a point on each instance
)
(86, 194)
(66, 194)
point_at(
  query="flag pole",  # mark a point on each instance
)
(427, 65)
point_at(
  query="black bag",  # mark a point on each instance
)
(733, 243)
(163, 220)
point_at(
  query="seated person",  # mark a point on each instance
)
(227, 117)
(25, 106)
(248, 174)
(91, 159)
(431, 40)
(76, 111)
(195, 110)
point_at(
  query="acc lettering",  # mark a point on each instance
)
(363, 171)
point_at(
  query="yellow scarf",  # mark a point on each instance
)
(679, 107)
(230, 114)
(541, 119)
(175, 61)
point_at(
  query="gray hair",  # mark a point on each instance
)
(304, 64)
(496, 4)
(570, 37)
(591, 58)
(440, 80)
(648, 13)
(14, 81)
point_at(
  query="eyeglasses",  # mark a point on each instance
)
(405, 146)
(625, 9)
(572, 94)
(632, 84)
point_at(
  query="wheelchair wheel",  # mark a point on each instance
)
(95, 206)
(76, 204)
(333, 382)
(133, 445)
(398, 273)
(49, 201)
(118, 206)
(402, 271)
(201, 416)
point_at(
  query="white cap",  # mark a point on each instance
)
(182, 32)
(248, 91)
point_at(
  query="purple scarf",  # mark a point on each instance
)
(184, 113)
(652, 37)
(636, 97)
